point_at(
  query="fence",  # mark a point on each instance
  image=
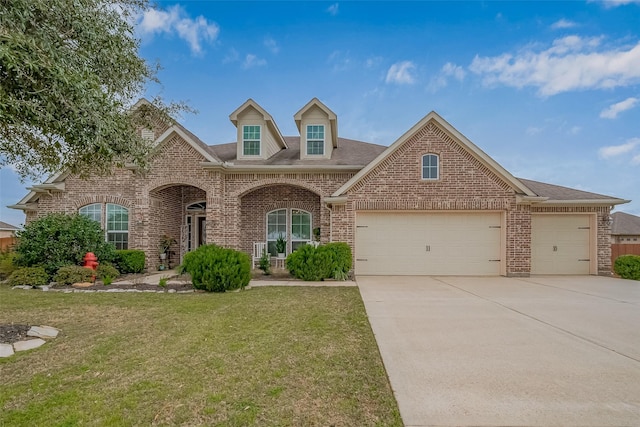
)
(618, 249)
(6, 242)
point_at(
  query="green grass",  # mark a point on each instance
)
(263, 357)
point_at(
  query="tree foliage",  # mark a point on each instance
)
(69, 75)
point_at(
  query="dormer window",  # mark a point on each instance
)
(251, 140)
(315, 140)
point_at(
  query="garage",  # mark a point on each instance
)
(562, 244)
(421, 243)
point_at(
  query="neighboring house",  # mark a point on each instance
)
(7, 230)
(432, 203)
(625, 228)
(7, 235)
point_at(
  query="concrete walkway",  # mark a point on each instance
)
(154, 279)
(543, 351)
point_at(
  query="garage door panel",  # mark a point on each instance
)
(560, 244)
(418, 243)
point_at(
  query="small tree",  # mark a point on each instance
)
(57, 240)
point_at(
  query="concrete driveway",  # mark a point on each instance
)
(541, 351)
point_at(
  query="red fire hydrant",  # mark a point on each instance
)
(91, 261)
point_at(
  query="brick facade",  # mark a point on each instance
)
(237, 202)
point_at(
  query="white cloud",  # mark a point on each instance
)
(571, 63)
(333, 9)
(272, 45)
(616, 3)
(616, 150)
(533, 130)
(615, 109)
(175, 20)
(401, 73)
(563, 24)
(447, 72)
(635, 160)
(252, 60)
(374, 61)
(231, 56)
(575, 130)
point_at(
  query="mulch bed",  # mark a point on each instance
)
(13, 333)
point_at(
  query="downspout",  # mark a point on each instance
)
(326, 206)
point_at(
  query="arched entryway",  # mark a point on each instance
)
(179, 212)
(274, 210)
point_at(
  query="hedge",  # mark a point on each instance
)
(627, 267)
(217, 269)
(311, 263)
(130, 261)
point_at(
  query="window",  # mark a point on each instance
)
(430, 167)
(93, 211)
(315, 140)
(294, 225)
(116, 224)
(251, 140)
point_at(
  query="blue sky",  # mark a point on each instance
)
(551, 90)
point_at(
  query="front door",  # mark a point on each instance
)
(202, 230)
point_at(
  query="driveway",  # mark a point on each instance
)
(540, 351)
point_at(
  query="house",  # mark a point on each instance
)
(7, 235)
(432, 203)
(625, 235)
(625, 228)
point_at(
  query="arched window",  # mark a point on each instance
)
(294, 225)
(430, 167)
(116, 223)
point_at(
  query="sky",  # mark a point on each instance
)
(550, 90)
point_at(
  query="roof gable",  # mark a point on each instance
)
(271, 124)
(191, 139)
(333, 119)
(456, 137)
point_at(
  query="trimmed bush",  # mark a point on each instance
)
(217, 269)
(70, 274)
(309, 263)
(627, 267)
(29, 276)
(130, 261)
(107, 271)
(340, 253)
(57, 240)
(7, 263)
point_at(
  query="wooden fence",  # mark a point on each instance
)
(618, 249)
(6, 242)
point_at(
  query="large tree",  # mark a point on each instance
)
(69, 73)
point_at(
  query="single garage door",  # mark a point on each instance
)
(560, 244)
(418, 243)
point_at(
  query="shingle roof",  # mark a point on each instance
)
(5, 226)
(349, 152)
(625, 224)
(557, 192)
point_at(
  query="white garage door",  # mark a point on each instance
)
(418, 243)
(560, 244)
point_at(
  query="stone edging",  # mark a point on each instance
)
(39, 332)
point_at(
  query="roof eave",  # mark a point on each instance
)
(277, 168)
(583, 202)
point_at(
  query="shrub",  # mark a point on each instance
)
(310, 263)
(70, 274)
(265, 263)
(7, 263)
(627, 267)
(130, 261)
(340, 253)
(107, 271)
(217, 269)
(29, 276)
(57, 240)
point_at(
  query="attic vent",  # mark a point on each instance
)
(148, 135)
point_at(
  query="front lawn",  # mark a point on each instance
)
(269, 356)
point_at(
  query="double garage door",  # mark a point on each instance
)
(468, 243)
(418, 243)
